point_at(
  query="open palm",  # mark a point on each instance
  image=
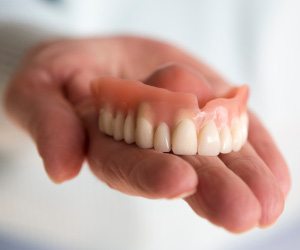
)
(50, 97)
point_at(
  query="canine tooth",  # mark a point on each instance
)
(209, 140)
(100, 120)
(237, 136)
(162, 141)
(226, 140)
(184, 138)
(144, 133)
(129, 128)
(108, 121)
(245, 124)
(118, 126)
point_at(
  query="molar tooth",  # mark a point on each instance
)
(245, 124)
(237, 135)
(107, 121)
(209, 140)
(162, 141)
(118, 126)
(144, 133)
(226, 140)
(100, 120)
(184, 138)
(129, 128)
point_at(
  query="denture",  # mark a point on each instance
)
(168, 121)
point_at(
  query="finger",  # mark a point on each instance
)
(181, 78)
(259, 137)
(222, 197)
(265, 147)
(36, 102)
(253, 171)
(78, 87)
(137, 171)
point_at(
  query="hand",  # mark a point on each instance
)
(50, 97)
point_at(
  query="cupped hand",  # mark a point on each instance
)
(49, 96)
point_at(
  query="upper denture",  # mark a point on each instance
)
(152, 116)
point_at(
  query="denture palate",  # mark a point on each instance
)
(168, 121)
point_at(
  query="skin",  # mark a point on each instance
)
(49, 96)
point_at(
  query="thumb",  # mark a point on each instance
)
(181, 78)
(36, 102)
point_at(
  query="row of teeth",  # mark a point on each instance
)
(184, 139)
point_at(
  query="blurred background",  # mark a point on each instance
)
(257, 42)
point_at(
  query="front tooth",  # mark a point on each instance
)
(184, 138)
(108, 121)
(129, 128)
(144, 133)
(226, 140)
(118, 128)
(245, 124)
(237, 136)
(162, 142)
(209, 140)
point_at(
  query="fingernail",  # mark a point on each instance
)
(183, 195)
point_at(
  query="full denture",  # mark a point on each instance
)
(158, 118)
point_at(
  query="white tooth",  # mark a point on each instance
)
(144, 133)
(209, 140)
(144, 128)
(226, 140)
(162, 141)
(108, 121)
(100, 120)
(118, 126)
(184, 138)
(237, 136)
(129, 128)
(245, 124)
